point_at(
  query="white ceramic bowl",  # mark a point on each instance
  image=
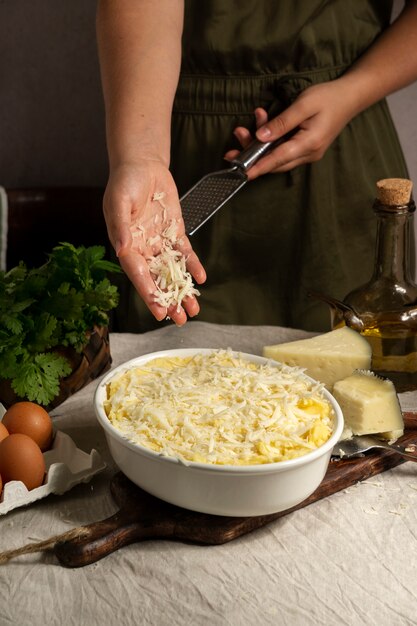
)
(217, 489)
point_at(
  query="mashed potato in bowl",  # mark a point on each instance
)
(217, 407)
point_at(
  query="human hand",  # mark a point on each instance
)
(136, 223)
(319, 113)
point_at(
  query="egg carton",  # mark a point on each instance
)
(66, 466)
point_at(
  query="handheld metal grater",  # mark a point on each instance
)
(213, 190)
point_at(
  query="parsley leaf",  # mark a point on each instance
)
(39, 377)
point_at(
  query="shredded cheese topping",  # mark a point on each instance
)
(220, 408)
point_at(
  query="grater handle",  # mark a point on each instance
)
(255, 151)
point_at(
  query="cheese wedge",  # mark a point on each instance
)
(369, 405)
(328, 357)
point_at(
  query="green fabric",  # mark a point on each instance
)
(282, 235)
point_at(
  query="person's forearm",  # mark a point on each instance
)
(388, 65)
(139, 43)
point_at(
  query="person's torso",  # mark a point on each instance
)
(238, 37)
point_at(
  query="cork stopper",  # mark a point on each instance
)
(394, 191)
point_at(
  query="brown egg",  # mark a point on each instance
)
(28, 418)
(21, 459)
(1, 485)
(3, 431)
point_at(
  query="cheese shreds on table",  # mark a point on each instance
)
(220, 408)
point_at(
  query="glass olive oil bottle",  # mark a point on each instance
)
(387, 304)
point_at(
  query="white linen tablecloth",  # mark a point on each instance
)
(349, 559)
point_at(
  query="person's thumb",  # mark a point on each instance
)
(122, 238)
(119, 232)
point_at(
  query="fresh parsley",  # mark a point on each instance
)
(53, 306)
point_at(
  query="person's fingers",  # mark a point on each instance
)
(284, 166)
(307, 145)
(285, 122)
(192, 261)
(191, 306)
(231, 154)
(243, 135)
(137, 270)
(196, 269)
(261, 117)
(277, 158)
(177, 314)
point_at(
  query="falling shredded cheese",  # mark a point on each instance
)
(220, 408)
(168, 268)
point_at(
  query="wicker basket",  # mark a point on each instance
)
(94, 360)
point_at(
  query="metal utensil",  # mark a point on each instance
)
(212, 191)
(349, 314)
(357, 445)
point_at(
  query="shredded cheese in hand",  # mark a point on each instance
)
(168, 268)
(220, 408)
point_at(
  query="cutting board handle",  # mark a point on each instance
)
(101, 538)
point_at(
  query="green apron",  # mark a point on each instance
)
(282, 235)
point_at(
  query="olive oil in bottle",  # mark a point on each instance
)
(387, 305)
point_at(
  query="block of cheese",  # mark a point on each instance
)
(369, 405)
(328, 357)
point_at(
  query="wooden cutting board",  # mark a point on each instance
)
(142, 516)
